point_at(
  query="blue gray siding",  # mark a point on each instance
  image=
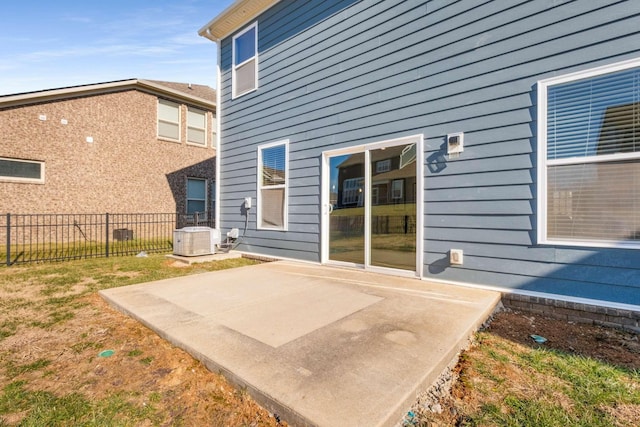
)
(335, 73)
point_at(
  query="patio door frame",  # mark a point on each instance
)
(326, 209)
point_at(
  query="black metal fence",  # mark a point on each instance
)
(380, 224)
(56, 237)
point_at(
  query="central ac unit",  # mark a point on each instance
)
(194, 241)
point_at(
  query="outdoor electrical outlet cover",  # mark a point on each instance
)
(456, 257)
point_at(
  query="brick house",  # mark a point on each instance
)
(124, 146)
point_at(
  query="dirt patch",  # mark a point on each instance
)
(143, 367)
(449, 406)
(617, 347)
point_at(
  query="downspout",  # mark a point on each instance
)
(206, 33)
(218, 127)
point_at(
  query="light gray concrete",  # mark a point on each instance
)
(317, 345)
(190, 260)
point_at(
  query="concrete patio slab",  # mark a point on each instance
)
(317, 345)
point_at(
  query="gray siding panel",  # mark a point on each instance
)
(335, 74)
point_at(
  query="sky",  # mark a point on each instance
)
(46, 44)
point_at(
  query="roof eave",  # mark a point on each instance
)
(100, 88)
(234, 17)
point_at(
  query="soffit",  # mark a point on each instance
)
(234, 17)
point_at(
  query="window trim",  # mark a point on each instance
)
(543, 163)
(383, 166)
(234, 67)
(19, 180)
(394, 189)
(158, 120)
(285, 186)
(205, 129)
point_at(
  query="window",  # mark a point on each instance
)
(589, 157)
(196, 195)
(196, 126)
(383, 166)
(272, 186)
(397, 189)
(352, 189)
(168, 120)
(27, 171)
(245, 61)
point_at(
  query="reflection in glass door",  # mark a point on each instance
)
(392, 178)
(372, 207)
(346, 214)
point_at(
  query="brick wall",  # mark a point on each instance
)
(574, 312)
(125, 169)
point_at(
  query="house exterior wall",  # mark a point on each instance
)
(126, 168)
(341, 73)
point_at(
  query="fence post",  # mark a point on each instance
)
(107, 236)
(8, 239)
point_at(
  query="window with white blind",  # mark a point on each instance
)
(272, 186)
(589, 157)
(168, 120)
(196, 126)
(245, 61)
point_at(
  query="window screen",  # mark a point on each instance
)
(196, 126)
(168, 120)
(593, 158)
(196, 195)
(272, 186)
(21, 170)
(245, 61)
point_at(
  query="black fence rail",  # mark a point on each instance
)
(380, 224)
(56, 237)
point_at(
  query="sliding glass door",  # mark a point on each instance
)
(372, 210)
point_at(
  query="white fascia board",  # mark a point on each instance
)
(238, 14)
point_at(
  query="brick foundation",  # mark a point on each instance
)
(574, 312)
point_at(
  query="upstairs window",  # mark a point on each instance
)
(589, 160)
(168, 120)
(245, 61)
(272, 186)
(196, 126)
(27, 171)
(383, 166)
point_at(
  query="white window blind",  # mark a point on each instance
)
(593, 159)
(196, 126)
(272, 187)
(168, 120)
(245, 61)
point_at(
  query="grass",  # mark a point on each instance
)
(46, 409)
(507, 384)
(81, 249)
(503, 383)
(47, 298)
